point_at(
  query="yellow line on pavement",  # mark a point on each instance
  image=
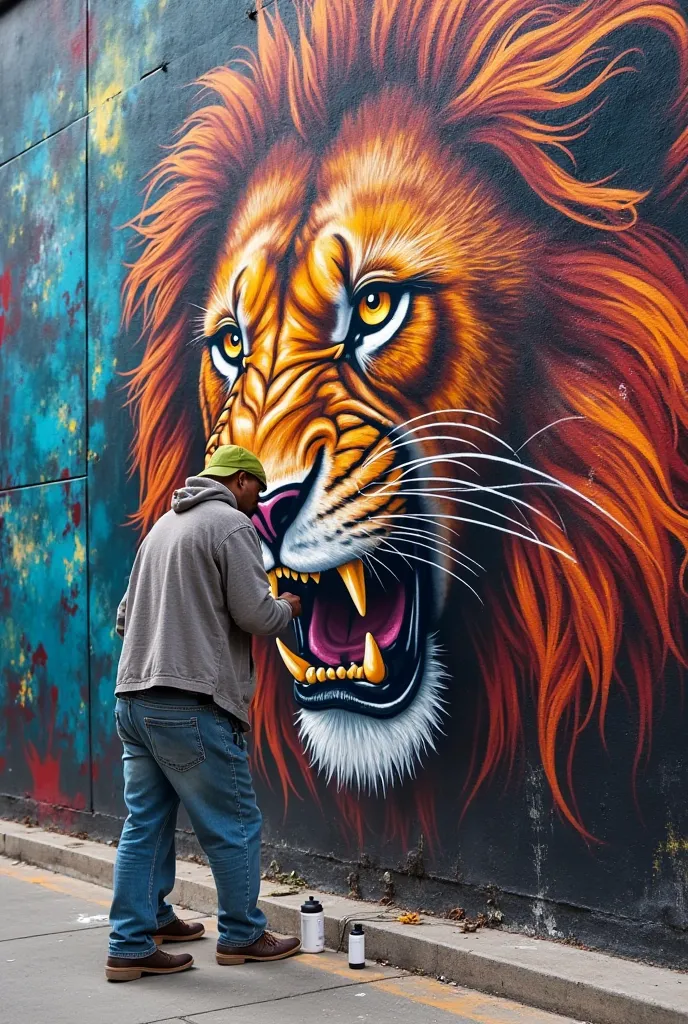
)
(459, 1002)
(462, 1002)
(66, 886)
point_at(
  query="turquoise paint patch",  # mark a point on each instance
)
(44, 737)
(42, 312)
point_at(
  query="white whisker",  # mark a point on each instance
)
(564, 419)
(434, 565)
(373, 570)
(393, 447)
(489, 526)
(470, 488)
(464, 501)
(432, 535)
(384, 566)
(451, 423)
(412, 540)
(445, 412)
(530, 469)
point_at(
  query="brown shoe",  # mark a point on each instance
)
(125, 968)
(267, 947)
(179, 931)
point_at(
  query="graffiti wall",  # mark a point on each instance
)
(427, 260)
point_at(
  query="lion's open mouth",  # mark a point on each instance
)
(360, 642)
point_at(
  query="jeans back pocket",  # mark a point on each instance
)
(176, 743)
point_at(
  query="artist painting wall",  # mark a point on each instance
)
(427, 261)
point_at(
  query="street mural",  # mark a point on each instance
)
(391, 252)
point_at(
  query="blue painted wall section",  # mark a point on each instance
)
(44, 736)
(93, 94)
(42, 320)
(42, 71)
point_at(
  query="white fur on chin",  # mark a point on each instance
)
(369, 753)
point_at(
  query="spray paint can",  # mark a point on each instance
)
(312, 926)
(357, 948)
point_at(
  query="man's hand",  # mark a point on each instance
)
(295, 603)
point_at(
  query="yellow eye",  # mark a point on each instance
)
(232, 343)
(374, 307)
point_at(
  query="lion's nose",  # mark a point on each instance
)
(275, 513)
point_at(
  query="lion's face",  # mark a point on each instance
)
(359, 335)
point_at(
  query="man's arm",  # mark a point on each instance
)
(121, 615)
(249, 599)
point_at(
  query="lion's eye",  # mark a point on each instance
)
(374, 307)
(226, 350)
(379, 311)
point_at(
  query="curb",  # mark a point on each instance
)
(587, 986)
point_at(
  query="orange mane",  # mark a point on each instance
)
(525, 79)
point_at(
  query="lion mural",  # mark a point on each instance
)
(426, 372)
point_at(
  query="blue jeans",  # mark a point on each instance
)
(179, 749)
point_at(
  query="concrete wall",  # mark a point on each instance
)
(370, 256)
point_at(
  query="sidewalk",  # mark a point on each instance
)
(581, 985)
(53, 937)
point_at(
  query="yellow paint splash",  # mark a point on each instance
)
(106, 126)
(675, 847)
(79, 550)
(106, 109)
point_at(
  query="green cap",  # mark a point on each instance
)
(228, 459)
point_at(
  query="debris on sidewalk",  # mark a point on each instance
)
(292, 879)
(409, 918)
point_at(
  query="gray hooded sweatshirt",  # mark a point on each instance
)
(196, 593)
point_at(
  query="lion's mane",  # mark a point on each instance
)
(524, 79)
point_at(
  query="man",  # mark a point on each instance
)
(196, 593)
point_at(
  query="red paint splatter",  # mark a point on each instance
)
(76, 513)
(40, 657)
(64, 475)
(5, 298)
(6, 289)
(45, 776)
(78, 46)
(71, 609)
(68, 610)
(45, 770)
(3, 762)
(76, 306)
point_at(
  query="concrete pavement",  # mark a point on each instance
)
(555, 977)
(53, 937)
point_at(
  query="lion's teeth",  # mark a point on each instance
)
(272, 577)
(354, 581)
(304, 577)
(315, 576)
(373, 663)
(297, 666)
(278, 572)
(373, 668)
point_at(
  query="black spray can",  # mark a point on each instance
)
(356, 948)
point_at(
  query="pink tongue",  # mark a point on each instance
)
(337, 632)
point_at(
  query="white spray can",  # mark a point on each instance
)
(357, 948)
(312, 926)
